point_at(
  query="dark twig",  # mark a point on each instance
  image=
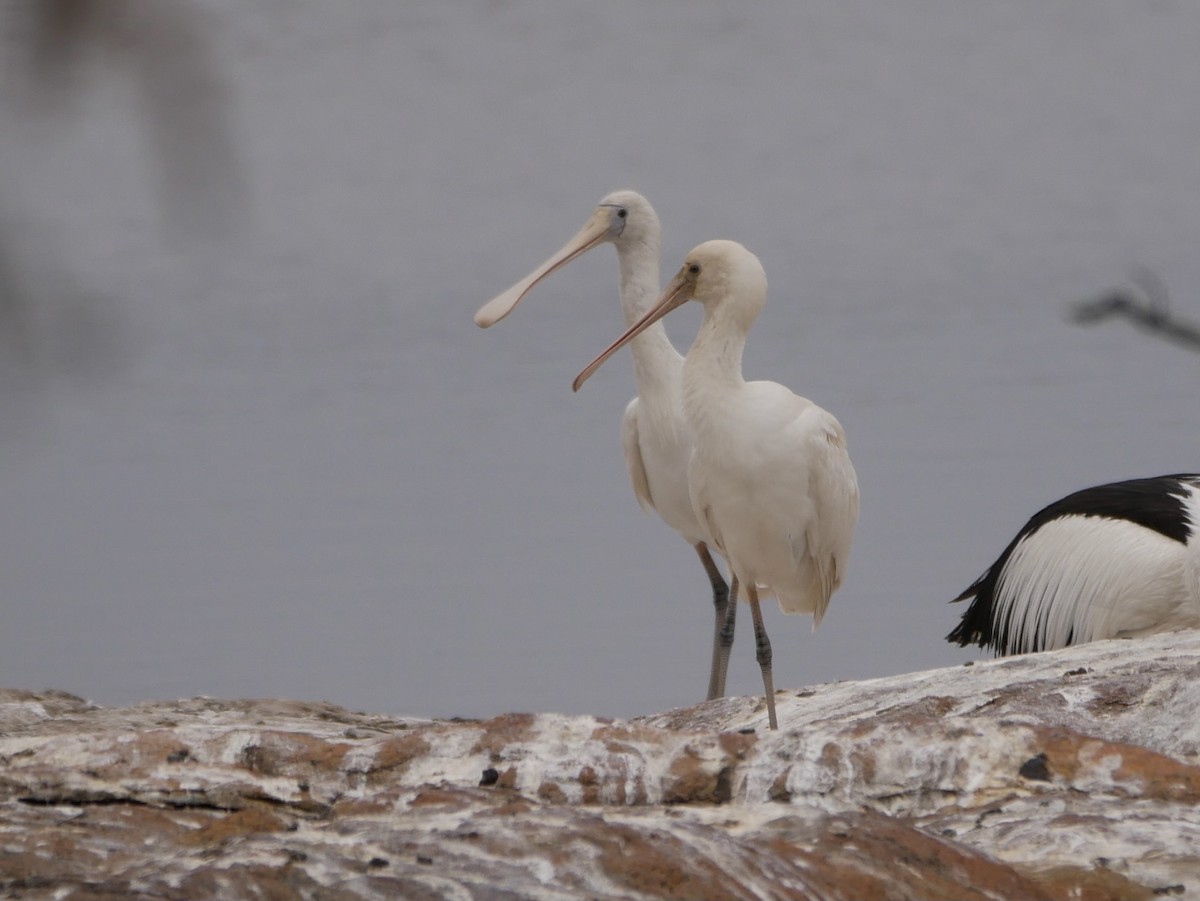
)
(1147, 308)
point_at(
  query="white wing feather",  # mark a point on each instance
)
(1080, 579)
(835, 499)
(633, 457)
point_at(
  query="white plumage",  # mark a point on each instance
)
(769, 475)
(1112, 561)
(654, 436)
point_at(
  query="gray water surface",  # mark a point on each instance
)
(275, 457)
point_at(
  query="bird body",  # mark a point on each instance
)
(1112, 561)
(770, 474)
(770, 477)
(790, 533)
(655, 437)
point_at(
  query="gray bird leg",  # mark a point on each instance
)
(716, 675)
(725, 640)
(763, 646)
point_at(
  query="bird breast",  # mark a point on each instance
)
(773, 482)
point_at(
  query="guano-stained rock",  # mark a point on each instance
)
(1074, 774)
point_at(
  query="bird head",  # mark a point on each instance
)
(622, 216)
(720, 275)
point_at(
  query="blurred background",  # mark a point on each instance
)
(251, 443)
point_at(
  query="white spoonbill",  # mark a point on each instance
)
(769, 475)
(654, 434)
(1112, 561)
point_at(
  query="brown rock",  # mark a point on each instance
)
(916, 787)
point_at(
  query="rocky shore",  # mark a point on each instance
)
(1073, 774)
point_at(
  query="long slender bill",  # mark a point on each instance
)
(502, 304)
(676, 294)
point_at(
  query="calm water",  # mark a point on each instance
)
(270, 454)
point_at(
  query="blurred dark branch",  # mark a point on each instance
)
(58, 34)
(14, 315)
(168, 53)
(1147, 308)
(166, 50)
(185, 107)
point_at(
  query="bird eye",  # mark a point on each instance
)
(622, 213)
(694, 269)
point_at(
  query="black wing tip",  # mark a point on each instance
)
(969, 593)
(960, 636)
(975, 627)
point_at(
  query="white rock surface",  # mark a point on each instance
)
(1072, 774)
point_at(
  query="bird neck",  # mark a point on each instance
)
(656, 362)
(713, 367)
